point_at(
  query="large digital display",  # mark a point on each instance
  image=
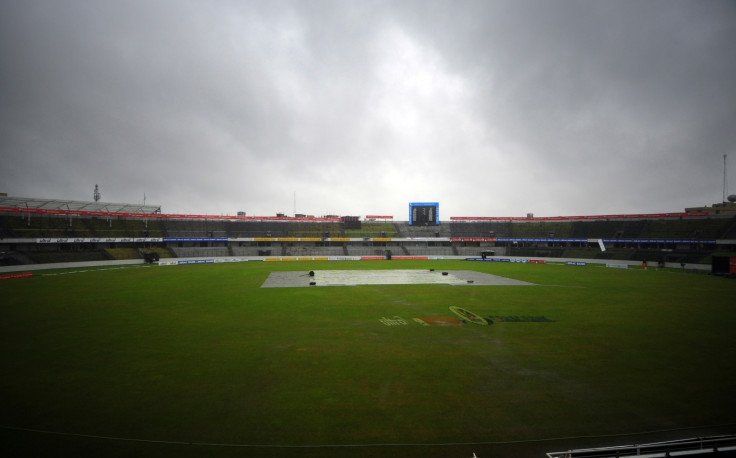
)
(424, 214)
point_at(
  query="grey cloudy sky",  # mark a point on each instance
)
(491, 108)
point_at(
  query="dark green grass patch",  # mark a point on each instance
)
(203, 354)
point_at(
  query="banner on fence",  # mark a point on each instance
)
(176, 262)
(101, 240)
(15, 276)
(489, 259)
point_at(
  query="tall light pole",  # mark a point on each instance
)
(725, 183)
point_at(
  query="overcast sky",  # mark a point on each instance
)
(491, 108)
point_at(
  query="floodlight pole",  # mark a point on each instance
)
(144, 210)
(725, 183)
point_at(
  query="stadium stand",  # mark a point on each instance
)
(706, 228)
(250, 251)
(70, 254)
(603, 229)
(373, 230)
(200, 252)
(314, 231)
(123, 253)
(542, 229)
(429, 250)
(45, 230)
(404, 230)
(730, 233)
(361, 250)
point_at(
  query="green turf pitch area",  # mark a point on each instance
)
(202, 354)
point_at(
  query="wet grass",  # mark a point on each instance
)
(203, 354)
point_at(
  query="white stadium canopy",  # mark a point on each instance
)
(76, 205)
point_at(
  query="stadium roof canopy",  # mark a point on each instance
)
(54, 204)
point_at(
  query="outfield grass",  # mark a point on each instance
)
(202, 354)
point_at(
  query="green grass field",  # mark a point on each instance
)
(201, 354)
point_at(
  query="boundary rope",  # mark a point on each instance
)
(316, 446)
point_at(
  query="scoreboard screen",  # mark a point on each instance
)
(424, 214)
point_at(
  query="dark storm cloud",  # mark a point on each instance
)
(632, 98)
(360, 107)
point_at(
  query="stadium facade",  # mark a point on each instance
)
(38, 231)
